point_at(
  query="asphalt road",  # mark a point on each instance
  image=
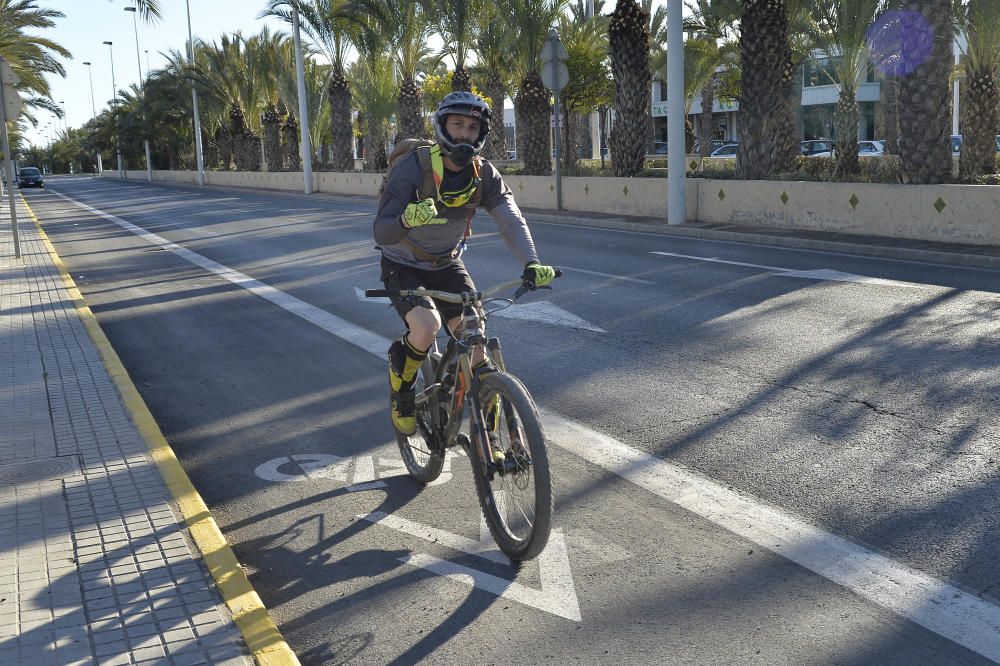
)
(761, 455)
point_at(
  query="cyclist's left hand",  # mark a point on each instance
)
(538, 275)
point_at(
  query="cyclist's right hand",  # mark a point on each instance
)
(421, 213)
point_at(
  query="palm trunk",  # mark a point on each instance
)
(411, 120)
(533, 111)
(889, 112)
(765, 61)
(290, 133)
(496, 144)
(925, 93)
(629, 49)
(338, 92)
(569, 147)
(980, 122)
(272, 138)
(705, 121)
(845, 120)
(375, 157)
(460, 79)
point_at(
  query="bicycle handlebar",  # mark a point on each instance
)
(448, 296)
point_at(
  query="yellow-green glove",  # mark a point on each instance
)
(538, 275)
(420, 213)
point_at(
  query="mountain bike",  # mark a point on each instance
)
(505, 441)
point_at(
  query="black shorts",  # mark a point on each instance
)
(452, 278)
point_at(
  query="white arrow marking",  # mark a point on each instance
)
(826, 274)
(556, 596)
(312, 465)
(543, 311)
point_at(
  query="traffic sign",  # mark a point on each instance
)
(7, 75)
(12, 103)
(553, 49)
(549, 69)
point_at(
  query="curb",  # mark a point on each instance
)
(945, 258)
(262, 637)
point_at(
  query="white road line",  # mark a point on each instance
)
(606, 275)
(933, 604)
(820, 274)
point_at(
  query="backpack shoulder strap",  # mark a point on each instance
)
(428, 187)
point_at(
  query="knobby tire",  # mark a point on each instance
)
(519, 525)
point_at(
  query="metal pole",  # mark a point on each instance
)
(194, 98)
(676, 203)
(554, 41)
(595, 120)
(10, 172)
(142, 87)
(114, 96)
(93, 110)
(304, 144)
(955, 96)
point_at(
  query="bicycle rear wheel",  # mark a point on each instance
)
(423, 452)
(515, 491)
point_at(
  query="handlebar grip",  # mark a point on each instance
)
(380, 293)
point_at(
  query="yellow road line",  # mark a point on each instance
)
(262, 637)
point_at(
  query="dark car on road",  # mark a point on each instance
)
(30, 177)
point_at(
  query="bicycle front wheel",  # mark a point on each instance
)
(423, 452)
(512, 478)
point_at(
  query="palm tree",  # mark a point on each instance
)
(373, 84)
(454, 21)
(325, 23)
(766, 69)
(403, 26)
(713, 22)
(531, 20)
(629, 49)
(275, 55)
(590, 83)
(980, 20)
(233, 68)
(30, 56)
(926, 33)
(841, 34)
(495, 68)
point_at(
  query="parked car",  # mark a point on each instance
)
(30, 177)
(817, 148)
(726, 152)
(713, 144)
(956, 144)
(871, 148)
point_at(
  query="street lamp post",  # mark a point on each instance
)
(304, 143)
(114, 96)
(93, 110)
(142, 87)
(194, 98)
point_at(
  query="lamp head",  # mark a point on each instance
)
(108, 43)
(87, 64)
(130, 9)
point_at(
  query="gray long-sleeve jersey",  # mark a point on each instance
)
(441, 239)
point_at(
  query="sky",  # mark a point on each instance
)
(88, 23)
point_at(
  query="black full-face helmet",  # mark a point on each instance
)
(465, 104)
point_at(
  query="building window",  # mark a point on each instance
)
(822, 72)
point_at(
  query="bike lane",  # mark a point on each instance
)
(650, 580)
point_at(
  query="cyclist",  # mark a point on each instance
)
(423, 219)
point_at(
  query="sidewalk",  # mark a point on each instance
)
(95, 566)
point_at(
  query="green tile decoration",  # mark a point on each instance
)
(625, 190)
(784, 197)
(722, 195)
(693, 165)
(853, 200)
(939, 204)
(551, 187)
(586, 188)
